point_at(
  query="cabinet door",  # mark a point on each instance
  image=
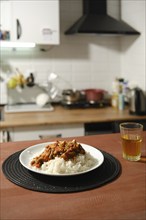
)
(36, 21)
(5, 19)
(34, 133)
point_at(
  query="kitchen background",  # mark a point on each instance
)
(88, 61)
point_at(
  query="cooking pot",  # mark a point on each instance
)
(71, 96)
(137, 102)
(94, 95)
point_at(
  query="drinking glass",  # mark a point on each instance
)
(131, 136)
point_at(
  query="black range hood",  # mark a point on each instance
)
(95, 20)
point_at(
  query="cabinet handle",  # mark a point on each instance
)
(19, 29)
(6, 136)
(49, 136)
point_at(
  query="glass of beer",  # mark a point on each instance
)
(131, 135)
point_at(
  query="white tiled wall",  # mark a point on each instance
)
(133, 49)
(88, 61)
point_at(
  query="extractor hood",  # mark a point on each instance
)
(95, 20)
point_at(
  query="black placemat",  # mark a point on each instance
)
(16, 173)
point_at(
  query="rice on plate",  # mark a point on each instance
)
(79, 164)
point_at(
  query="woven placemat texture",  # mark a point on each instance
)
(19, 175)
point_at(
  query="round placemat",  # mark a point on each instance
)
(16, 173)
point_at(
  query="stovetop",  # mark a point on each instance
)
(84, 105)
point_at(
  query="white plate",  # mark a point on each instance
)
(29, 153)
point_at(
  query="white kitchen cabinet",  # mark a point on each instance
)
(5, 15)
(34, 132)
(31, 21)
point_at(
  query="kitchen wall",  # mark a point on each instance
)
(133, 49)
(88, 61)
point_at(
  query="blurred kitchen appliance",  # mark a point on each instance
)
(137, 102)
(88, 98)
(96, 20)
(25, 100)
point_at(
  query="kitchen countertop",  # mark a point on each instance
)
(123, 198)
(62, 115)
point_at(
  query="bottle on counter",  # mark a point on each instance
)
(115, 93)
(118, 94)
(121, 95)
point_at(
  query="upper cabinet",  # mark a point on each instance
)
(30, 21)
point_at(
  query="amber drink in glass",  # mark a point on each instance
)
(131, 136)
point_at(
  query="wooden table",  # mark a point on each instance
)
(122, 199)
